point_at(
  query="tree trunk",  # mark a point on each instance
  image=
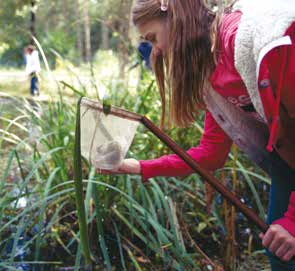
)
(87, 29)
(122, 50)
(105, 37)
(79, 32)
(33, 21)
(66, 15)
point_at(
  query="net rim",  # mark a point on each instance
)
(116, 111)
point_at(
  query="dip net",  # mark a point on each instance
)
(105, 136)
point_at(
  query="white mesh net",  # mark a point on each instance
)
(105, 139)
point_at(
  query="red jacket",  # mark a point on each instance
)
(213, 149)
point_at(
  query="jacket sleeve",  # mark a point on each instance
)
(211, 154)
(274, 61)
(288, 93)
(288, 221)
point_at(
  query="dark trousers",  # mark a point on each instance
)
(34, 84)
(282, 185)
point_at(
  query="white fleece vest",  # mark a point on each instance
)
(262, 28)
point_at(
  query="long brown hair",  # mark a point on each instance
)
(189, 61)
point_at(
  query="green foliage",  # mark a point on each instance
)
(14, 21)
(57, 27)
(61, 42)
(131, 226)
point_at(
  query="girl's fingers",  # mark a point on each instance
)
(279, 242)
(268, 237)
(276, 243)
(289, 255)
(128, 166)
(282, 250)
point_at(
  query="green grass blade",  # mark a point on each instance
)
(79, 190)
(134, 261)
(120, 246)
(78, 257)
(20, 228)
(42, 212)
(100, 231)
(76, 91)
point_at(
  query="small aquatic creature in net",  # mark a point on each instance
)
(109, 155)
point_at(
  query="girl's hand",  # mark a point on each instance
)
(128, 166)
(279, 242)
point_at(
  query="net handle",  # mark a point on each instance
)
(209, 177)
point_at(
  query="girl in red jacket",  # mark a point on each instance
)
(247, 57)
